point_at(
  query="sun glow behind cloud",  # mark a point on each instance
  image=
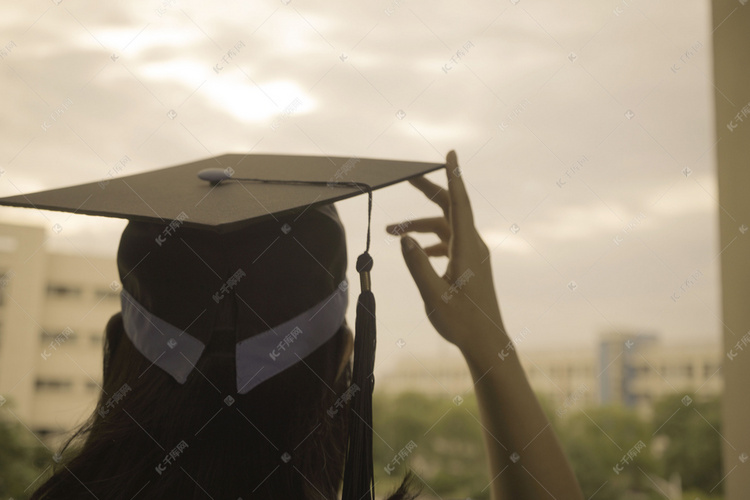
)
(235, 92)
(250, 103)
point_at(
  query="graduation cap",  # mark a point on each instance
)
(216, 210)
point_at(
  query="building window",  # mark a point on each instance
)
(106, 293)
(709, 370)
(91, 385)
(57, 337)
(47, 336)
(64, 291)
(53, 384)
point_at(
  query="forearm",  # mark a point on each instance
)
(514, 423)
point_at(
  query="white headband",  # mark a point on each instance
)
(258, 358)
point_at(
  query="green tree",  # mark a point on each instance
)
(690, 430)
(24, 461)
(615, 453)
(609, 450)
(440, 438)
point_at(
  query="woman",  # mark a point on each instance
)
(176, 430)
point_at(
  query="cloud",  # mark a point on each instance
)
(287, 89)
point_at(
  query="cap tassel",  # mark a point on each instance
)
(358, 474)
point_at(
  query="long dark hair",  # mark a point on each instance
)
(150, 437)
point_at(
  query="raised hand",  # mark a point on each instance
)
(461, 304)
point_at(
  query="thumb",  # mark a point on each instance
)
(428, 282)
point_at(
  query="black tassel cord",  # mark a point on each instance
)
(358, 474)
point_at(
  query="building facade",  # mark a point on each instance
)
(53, 310)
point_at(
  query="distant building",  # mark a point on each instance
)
(567, 378)
(53, 310)
(632, 369)
(635, 369)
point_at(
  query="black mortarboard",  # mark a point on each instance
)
(221, 205)
(177, 193)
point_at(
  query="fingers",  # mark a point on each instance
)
(433, 192)
(437, 225)
(437, 250)
(454, 198)
(461, 217)
(428, 282)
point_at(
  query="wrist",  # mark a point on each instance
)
(489, 349)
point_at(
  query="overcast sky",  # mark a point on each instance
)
(584, 128)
